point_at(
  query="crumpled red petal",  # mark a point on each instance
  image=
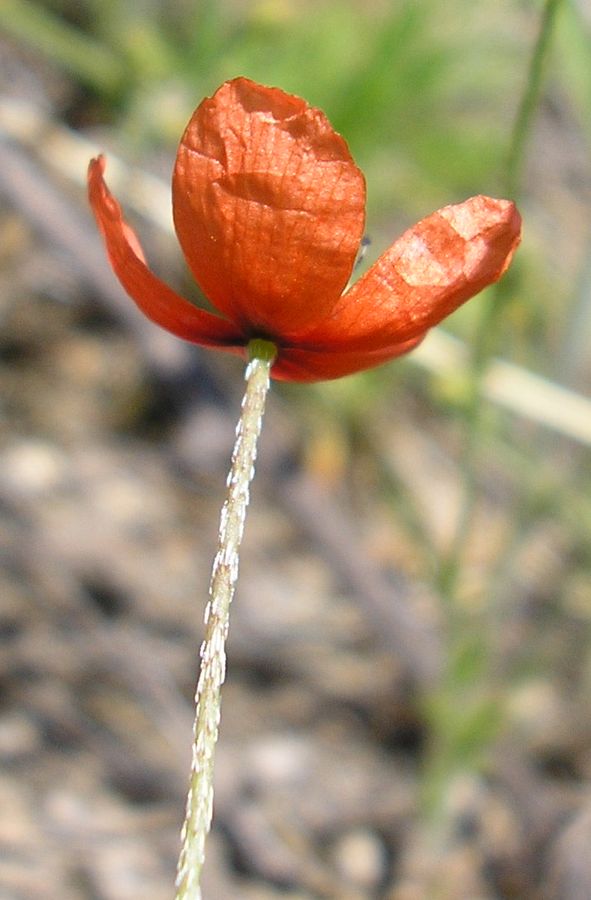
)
(296, 364)
(269, 208)
(426, 274)
(159, 302)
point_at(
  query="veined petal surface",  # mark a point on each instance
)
(299, 364)
(268, 208)
(424, 276)
(156, 300)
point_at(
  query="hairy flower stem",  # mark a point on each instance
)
(213, 655)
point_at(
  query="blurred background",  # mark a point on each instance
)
(406, 713)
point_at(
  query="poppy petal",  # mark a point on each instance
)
(426, 274)
(296, 364)
(268, 207)
(159, 302)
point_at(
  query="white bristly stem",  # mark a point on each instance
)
(213, 654)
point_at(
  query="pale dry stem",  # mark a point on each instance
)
(213, 655)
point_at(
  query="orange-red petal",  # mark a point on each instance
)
(268, 207)
(159, 302)
(297, 364)
(426, 274)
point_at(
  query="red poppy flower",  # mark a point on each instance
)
(269, 211)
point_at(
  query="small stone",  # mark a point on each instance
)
(31, 468)
(360, 858)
